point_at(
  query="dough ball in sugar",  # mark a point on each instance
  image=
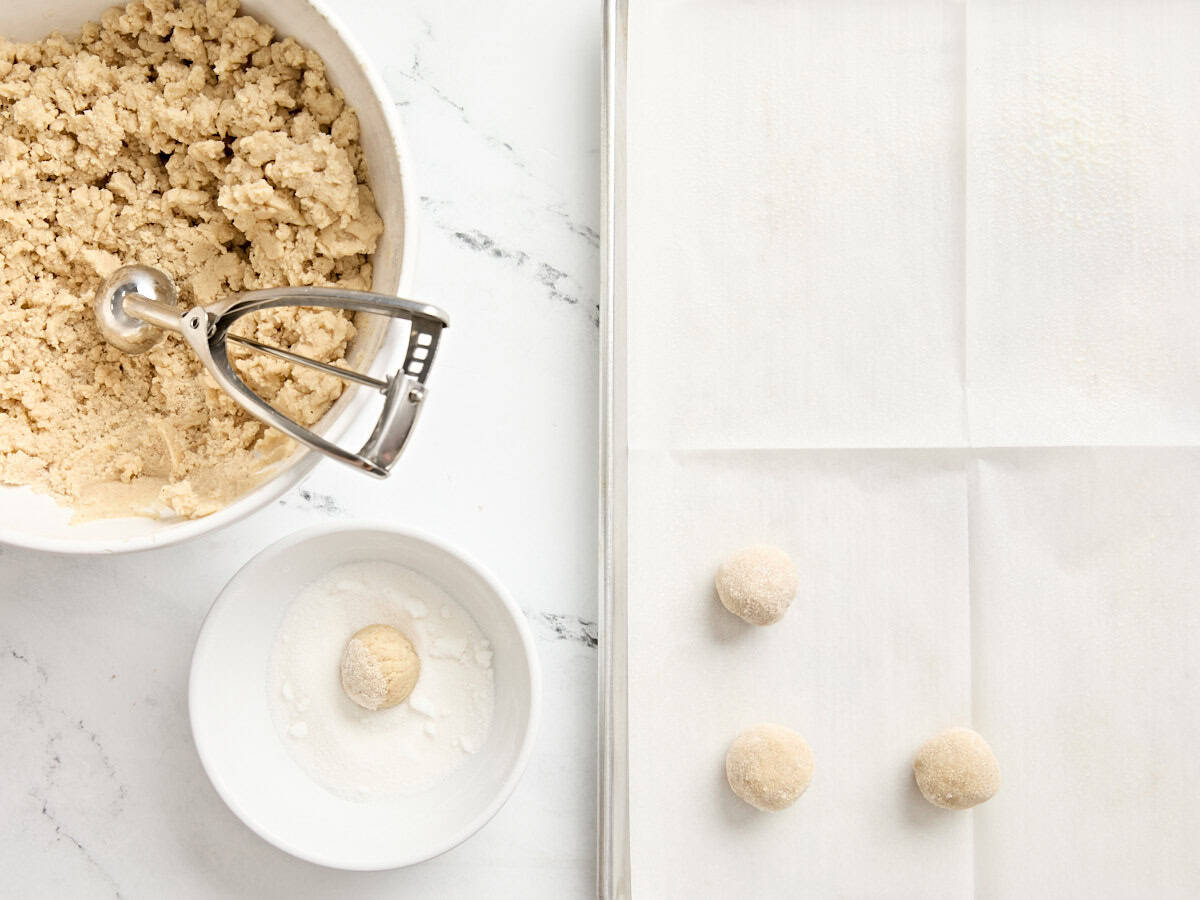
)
(956, 769)
(758, 584)
(380, 667)
(769, 766)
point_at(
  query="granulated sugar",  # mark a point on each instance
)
(360, 754)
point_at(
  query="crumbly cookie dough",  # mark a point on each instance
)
(177, 134)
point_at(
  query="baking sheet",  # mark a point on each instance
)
(910, 291)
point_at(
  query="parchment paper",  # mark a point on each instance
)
(875, 654)
(914, 292)
(1083, 222)
(794, 196)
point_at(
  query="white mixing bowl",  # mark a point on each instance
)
(30, 520)
(246, 759)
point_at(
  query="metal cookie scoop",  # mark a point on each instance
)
(136, 304)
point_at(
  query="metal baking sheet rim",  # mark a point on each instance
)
(613, 847)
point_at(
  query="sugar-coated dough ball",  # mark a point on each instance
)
(769, 766)
(758, 584)
(379, 667)
(956, 769)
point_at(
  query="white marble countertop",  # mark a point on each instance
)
(103, 794)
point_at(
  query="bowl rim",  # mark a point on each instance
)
(528, 654)
(305, 459)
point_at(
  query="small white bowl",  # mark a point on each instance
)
(35, 520)
(247, 761)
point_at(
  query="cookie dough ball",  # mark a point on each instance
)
(956, 769)
(769, 766)
(758, 584)
(379, 667)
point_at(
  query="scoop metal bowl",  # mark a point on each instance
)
(136, 305)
